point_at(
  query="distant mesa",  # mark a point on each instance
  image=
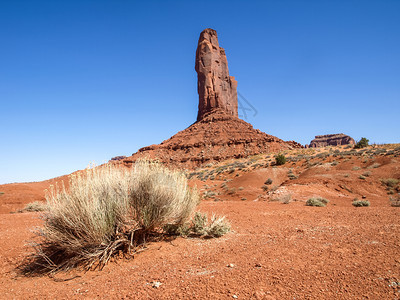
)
(331, 140)
(218, 134)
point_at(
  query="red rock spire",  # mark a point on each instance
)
(217, 90)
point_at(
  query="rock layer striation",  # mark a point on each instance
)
(331, 140)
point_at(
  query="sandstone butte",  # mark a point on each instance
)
(331, 140)
(218, 133)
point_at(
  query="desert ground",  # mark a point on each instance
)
(278, 247)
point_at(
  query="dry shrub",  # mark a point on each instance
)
(395, 201)
(217, 227)
(317, 201)
(360, 203)
(109, 210)
(35, 206)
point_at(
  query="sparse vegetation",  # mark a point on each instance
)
(1, 193)
(362, 177)
(360, 203)
(268, 181)
(361, 143)
(374, 166)
(395, 201)
(356, 168)
(110, 210)
(317, 201)
(392, 185)
(280, 159)
(265, 188)
(35, 206)
(200, 226)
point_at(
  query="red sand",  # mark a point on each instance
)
(278, 251)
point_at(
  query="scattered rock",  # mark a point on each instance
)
(156, 284)
(230, 265)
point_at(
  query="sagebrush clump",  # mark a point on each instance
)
(317, 201)
(108, 210)
(360, 203)
(35, 206)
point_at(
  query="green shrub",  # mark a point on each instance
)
(280, 159)
(360, 203)
(361, 143)
(317, 201)
(109, 210)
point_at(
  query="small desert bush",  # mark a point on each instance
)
(395, 201)
(360, 203)
(374, 166)
(361, 143)
(200, 226)
(268, 181)
(34, 207)
(280, 159)
(390, 182)
(317, 201)
(366, 174)
(109, 210)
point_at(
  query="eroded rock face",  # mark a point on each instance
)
(331, 140)
(216, 137)
(216, 89)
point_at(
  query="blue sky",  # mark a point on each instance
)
(83, 81)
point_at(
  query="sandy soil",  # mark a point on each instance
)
(275, 250)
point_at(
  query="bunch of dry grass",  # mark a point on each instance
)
(108, 210)
(317, 201)
(200, 226)
(35, 206)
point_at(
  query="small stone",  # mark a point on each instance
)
(234, 296)
(363, 196)
(156, 284)
(230, 265)
(258, 265)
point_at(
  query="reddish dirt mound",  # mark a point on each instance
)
(218, 136)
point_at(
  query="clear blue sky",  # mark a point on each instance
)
(83, 81)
